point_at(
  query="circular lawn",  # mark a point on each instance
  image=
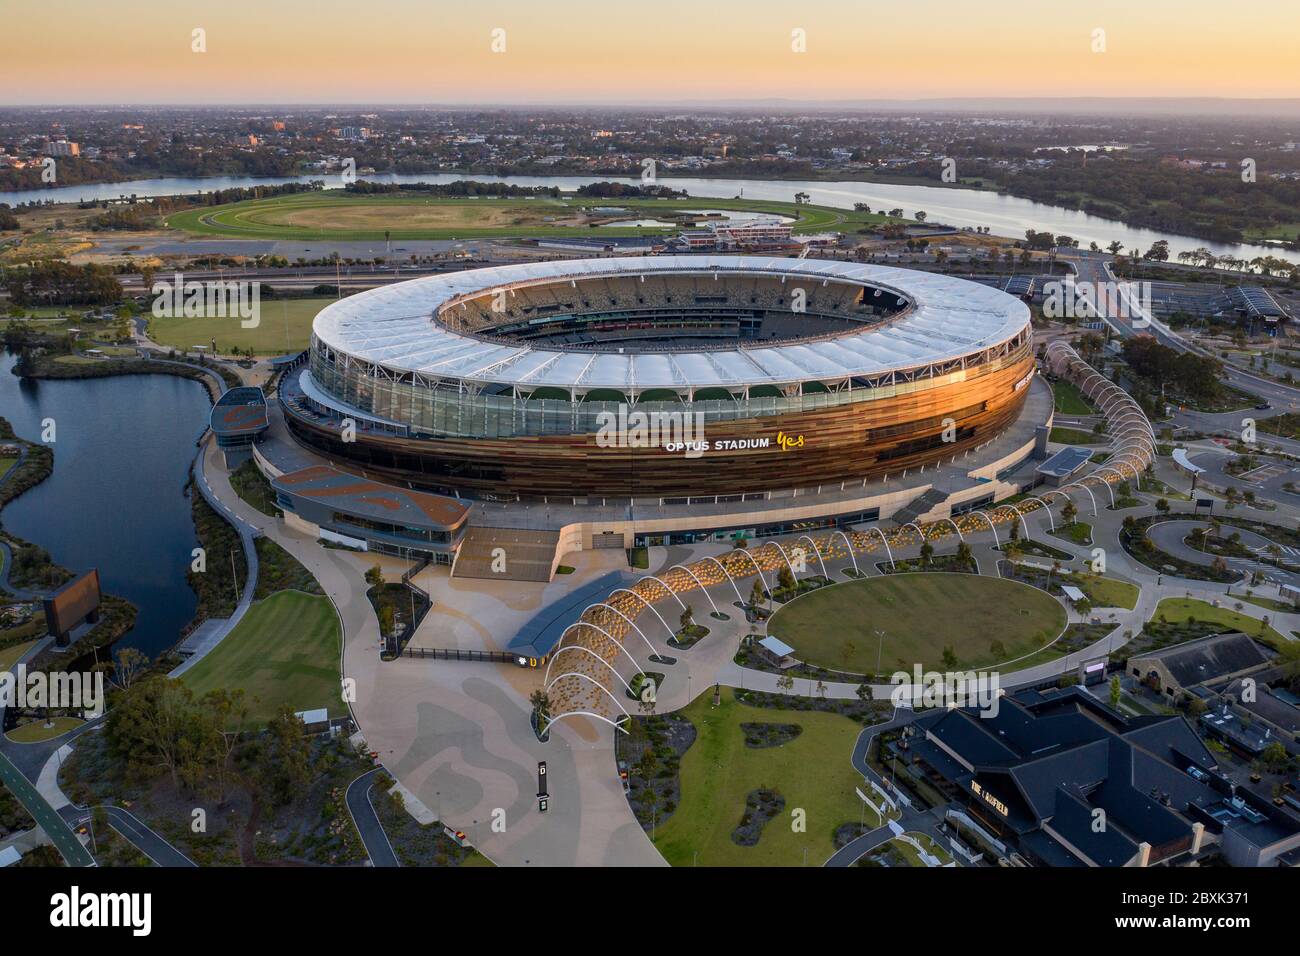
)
(985, 620)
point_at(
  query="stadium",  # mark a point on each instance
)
(661, 379)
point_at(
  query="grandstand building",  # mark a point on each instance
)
(660, 378)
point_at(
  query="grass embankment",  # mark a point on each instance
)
(719, 772)
(284, 651)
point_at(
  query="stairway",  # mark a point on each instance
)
(918, 506)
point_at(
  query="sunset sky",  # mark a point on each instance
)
(582, 51)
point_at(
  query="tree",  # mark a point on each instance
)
(155, 725)
(1162, 505)
(541, 708)
(375, 576)
(963, 553)
(129, 664)
(1115, 691)
(282, 759)
(927, 552)
(687, 618)
(1069, 512)
(785, 579)
(757, 596)
(228, 711)
(785, 682)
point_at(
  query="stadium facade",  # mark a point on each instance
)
(660, 378)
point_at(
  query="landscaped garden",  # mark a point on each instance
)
(738, 800)
(1188, 612)
(939, 621)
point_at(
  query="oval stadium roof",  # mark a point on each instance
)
(394, 326)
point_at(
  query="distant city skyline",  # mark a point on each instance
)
(585, 52)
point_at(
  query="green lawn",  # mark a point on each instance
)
(269, 337)
(1106, 592)
(9, 656)
(1069, 400)
(1180, 609)
(284, 651)
(1079, 532)
(1076, 436)
(6, 464)
(1269, 604)
(812, 772)
(34, 731)
(920, 614)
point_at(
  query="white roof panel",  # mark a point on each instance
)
(395, 326)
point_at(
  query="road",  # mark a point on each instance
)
(55, 827)
(367, 821)
(1094, 268)
(136, 832)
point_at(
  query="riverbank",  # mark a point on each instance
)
(46, 365)
(957, 205)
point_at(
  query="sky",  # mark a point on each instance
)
(642, 51)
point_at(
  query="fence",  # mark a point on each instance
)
(457, 654)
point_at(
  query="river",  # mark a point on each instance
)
(1004, 215)
(115, 501)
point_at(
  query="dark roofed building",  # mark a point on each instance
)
(1062, 779)
(1280, 715)
(1058, 469)
(357, 512)
(1203, 661)
(237, 419)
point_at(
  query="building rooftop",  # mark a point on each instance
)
(775, 645)
(1065, 462)
(395, 326)
(240, 410)
(1208, 658)
(371, 499)
(1047, 761)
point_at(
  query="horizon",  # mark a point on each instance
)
(403, 53)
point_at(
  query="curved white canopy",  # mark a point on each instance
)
(394, 326)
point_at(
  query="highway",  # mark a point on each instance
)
(1095, 268)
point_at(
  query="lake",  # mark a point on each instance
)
(116, 498)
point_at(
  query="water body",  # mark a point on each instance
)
(1004, 215)
(116, 498)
